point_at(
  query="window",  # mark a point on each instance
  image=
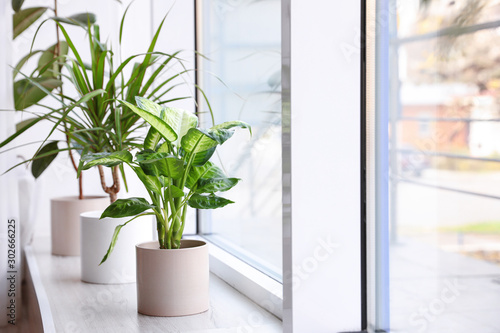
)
(241, 76)
(438, 214)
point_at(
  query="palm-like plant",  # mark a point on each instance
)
(94, 122)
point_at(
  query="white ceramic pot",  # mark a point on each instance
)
(96, 237)
(172, 282)
(65, 221)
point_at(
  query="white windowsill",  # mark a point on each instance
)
(92, 307)
(259, 287)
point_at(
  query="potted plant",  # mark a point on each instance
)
(93, 121)
(29, 90)
(173, 164)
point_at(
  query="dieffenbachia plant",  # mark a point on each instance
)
(173, 164)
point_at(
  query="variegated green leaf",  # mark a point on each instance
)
(197, 140)
(207, 201)
(209, 170)
(162, 127)
(181, 122)
(106, 159)
(126, 207)
(212, 185)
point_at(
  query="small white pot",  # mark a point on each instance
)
(172, 282)
(65, 222)
(96, 237)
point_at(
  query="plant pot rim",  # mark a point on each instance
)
(92, 214)
(153, 246)
(76, 198)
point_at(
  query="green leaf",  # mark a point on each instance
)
(152, 139)
(114, 238)
(150, 182)
(207, 201)
(163, 128)
(212, 185)
(202, 157)
(165, 164)
(181, 122)
(148, 168)
(232, 124)
(81, 19)
(17, 4)
(106, 159)
(126, 207)
(49, 153)
(197, 140)
(47, 59)
(221, 135)
(22, 124)
(27, 93)
(222, 132)
(149, 106)
(26, 17)
(209, 170)
(175, 192)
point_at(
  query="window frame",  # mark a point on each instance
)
(352, 257)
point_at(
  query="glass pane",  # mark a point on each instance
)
(242, 79)
(429, 16)
(444, 193)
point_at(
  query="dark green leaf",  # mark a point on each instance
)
(126, 207)
(17, 4)
(49, 153)
(209, 170)
(106, 159)
(26, 17)
(212, 185)
(27, 93)
(207, 201)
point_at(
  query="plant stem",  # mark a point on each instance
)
(113, 189)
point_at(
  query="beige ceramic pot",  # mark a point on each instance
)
(172, 282)
(65, 221)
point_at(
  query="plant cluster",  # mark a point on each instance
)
(93, 121)
(173, 164)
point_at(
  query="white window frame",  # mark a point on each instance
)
(322, 250)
